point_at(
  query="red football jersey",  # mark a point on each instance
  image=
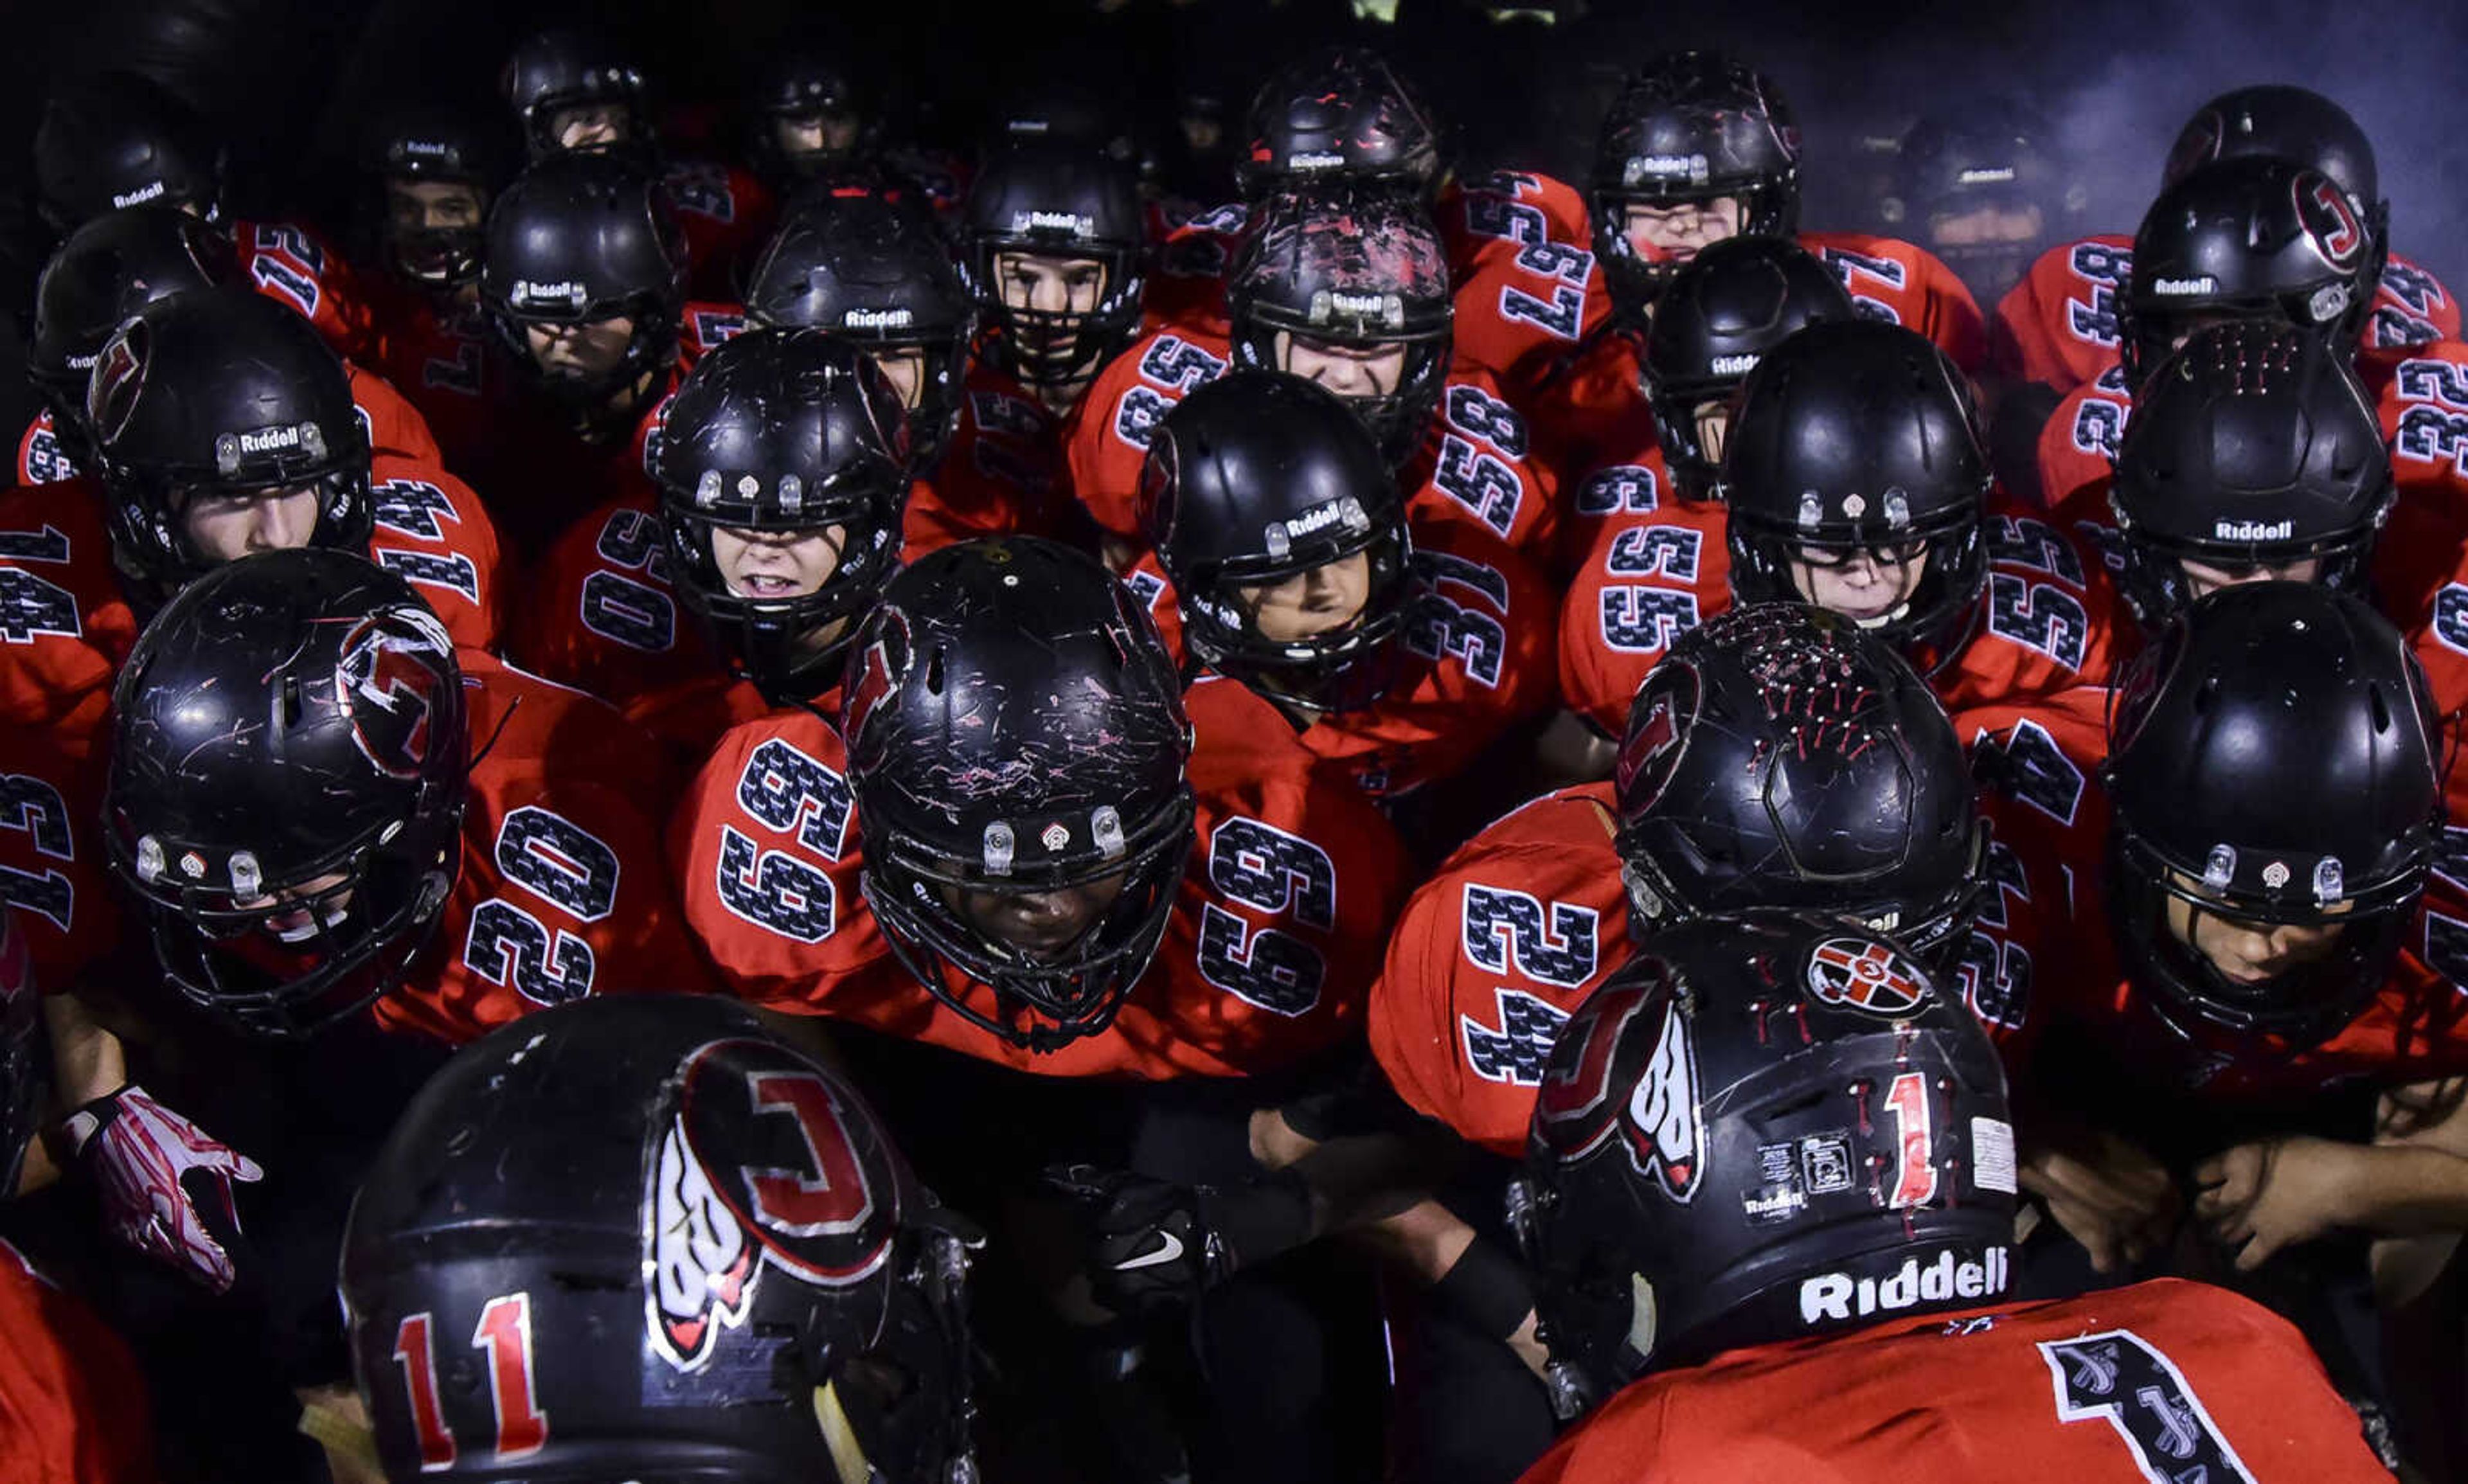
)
(540, 477)
(1906, 285)
(2424, 411)
(726, 213)
(564, 889)
(599, 614)
(1271, 945)
(2035, 757)
(2078, 444)
(291, 264)
(1589, 412)
(1528, 918)
(2164, 1381)
(1522, 260)
(1186, 285)
(1000, 474)
(73, 1408)
(430, 530)
(2044, 618)
(394, 427)
(1477, 660)
(444, 362)
(1476, 465)
(2059, 325)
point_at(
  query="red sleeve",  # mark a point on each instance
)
(705, 325)
(73, 1404)
(2047, 622)
(1002, 475)
(765, 848)
(599, 614)
(562, 890)
(1108, 439)
(1489, 958)
(1907, 284)
(2410, 308)
(394, 425)
(724, 212)
(2058, 326)
(292, 266)
(1187, 285)
(1478, 469)
(2078, 444)
(2035, 760)
(1648, 579)
(431, 530)
(53, 869)
(1527, 291)
(2424, 412)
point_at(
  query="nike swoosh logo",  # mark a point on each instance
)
(1166, 1253)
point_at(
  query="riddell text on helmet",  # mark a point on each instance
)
(1840, 1296)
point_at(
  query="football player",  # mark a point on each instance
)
(1751, 717)
(1986, 193)
(1853, 478)
(107, 270)
(1019, 863)
(583, 284)
(1771, 1193)
(1051, 242)
(778, 481)
(1351, 290)
(1396, 650)
(577, 90)
(795, 1311)
(120, 138)
(2060, 327)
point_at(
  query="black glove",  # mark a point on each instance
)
(1153, 1245)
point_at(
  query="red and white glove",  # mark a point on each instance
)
(140, 1154)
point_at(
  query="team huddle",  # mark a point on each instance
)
(824, 811)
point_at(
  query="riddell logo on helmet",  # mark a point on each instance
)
(2180, 288)
(876, 319)
(1054, 221)
(1665, 166)
(2253, 530)
(1312, 159)
(1985, 176)
(564, 291)
(1734, 365)
(270, 440)
(1838, 1296)
(144, 192)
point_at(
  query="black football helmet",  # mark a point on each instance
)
(221, 392)
(2273, 759)
(1778, 757)
(1761, 1128)
(784, 431)
(1014, 728)
(1252, 479)
(429, 141)
(2252, 446)
(2290, 124)
(121, 139)
(289, 770)
(875, 272)
(1717, 318)
(808, 82)
(1354, 268)
(107, 270)
(2252, 237)
(641, 1239)
(1998, 155)
(1690, 127)
(568, 67)
(1858, 434)
(1054, 198)
(580, 237)
(1339, 113)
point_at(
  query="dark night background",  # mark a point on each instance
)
(2116, 77)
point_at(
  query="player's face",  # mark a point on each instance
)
(222, 527)
(1713, 425)
(1347, 370)
(432, 205)
(1046, 284)
(294, 914)
(1039, 924)
(1868, 587)
(1987, 226)
(581, 353)
(592, 126)
(1678, 232)
(776, 564)
(809, 135)
(2204, 577)
(905, 368)
(1326, 598)
(2245, 951)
